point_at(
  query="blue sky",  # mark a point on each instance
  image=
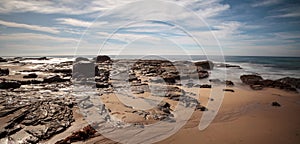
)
(232, 27)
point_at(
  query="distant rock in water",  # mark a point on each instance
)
(228, 65)
(4, 72)
(42, 58)
(10, 84)
(102, 58)
(205, 64)
(2, 59)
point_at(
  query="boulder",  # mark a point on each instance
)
(32, 75)
(10, 84)
(102, 58)
(251, 79)
(2, 59)
(81, 59)
(295, 82)
(205, 65)
(4, 72)
(229, 83)
(203, 74)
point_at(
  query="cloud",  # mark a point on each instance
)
(34, 37)
(30, 27)
(78, 7)
(288, 13)
(266, 3)
(74, 22)
(49, 7)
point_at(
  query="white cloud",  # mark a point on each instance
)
(77, 7)
(49, 7)
(34, 37)
(74, 22)
(288, 13)
(30, 27)
(266, 3)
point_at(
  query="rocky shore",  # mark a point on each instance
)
(37, 100)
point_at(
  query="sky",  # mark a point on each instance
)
(193, 27)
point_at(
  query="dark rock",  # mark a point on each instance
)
(276, 104)
(205, 64)
(205, 86)
(203, 74)
(132, 77)
(10, 84)
(55, 79)
(251, 79)
(42, 58)
(267, 83)
(2, 59)
(81, 59)
(295, 82)
(102, 85)
(165, 107)
(81, 135)
(228, 66)
(64, 71)
(215, 81)
(28, 82)
(257, 82)
(201, 108)
(102, 58)
(228, 90)
(4, 72)
(32, 75)
(229, 83)
(256, 87)
(281, 84)
(7, 111)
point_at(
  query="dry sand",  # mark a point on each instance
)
(246, 116)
